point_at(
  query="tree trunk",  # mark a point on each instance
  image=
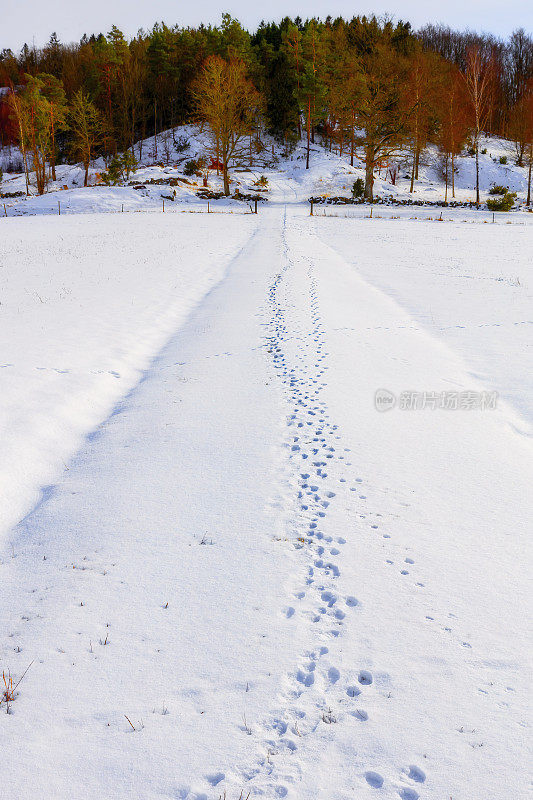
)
(53, 148)
(453, 174)
(446, 180)
(308, 131)
(369, 173)
(477, 173)
(86, 179)
(225, 177)
(24, 156)
(155, 128)
(529, 177)
(412, 186)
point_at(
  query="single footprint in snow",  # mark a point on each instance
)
(416, 774)
(365, 677)
(215, 779)
(374, 779)
(333, 674)
(306, 678)
(280, 726)
(408, 794)
(353, 691)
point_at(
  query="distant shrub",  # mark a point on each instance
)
(504, 203)
(498, 189)
(262, 182)
(129, 163)
(181, 144)
(471, 151)
(484, 151)
(358, 188)
(119, 168)
(503, 159)
(193, 166)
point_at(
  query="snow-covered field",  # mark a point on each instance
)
(230, 572)
(86, 303)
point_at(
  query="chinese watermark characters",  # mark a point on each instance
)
(385, 400)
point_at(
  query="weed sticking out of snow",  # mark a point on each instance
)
(8, 688)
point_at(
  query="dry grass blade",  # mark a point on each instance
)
(8, 693)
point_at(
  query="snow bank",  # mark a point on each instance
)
(86, 302)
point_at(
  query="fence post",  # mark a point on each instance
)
(208, 207)
(311, 214)
(163, 206)
(5, 210)
(255, 205)
(371, 211)
(122, 208)
(493, 215)
(59, 207)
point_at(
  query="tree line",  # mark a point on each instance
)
(366, 87)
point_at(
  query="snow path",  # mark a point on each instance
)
(300, 581)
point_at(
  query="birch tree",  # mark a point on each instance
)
(479, 80)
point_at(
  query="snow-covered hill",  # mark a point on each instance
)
(161, 174)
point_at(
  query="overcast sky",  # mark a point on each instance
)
(34, 20)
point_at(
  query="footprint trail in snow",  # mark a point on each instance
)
(317, 695)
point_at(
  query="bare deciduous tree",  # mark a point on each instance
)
(453, 121)
(31, 110)
(228, 102)
(479, 79)
(383, 108)
(87, 129)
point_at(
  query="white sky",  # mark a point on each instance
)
(34, 20)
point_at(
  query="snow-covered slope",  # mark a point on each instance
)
(161, 175)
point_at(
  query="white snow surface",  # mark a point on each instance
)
(229, 572)
(86, 302)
